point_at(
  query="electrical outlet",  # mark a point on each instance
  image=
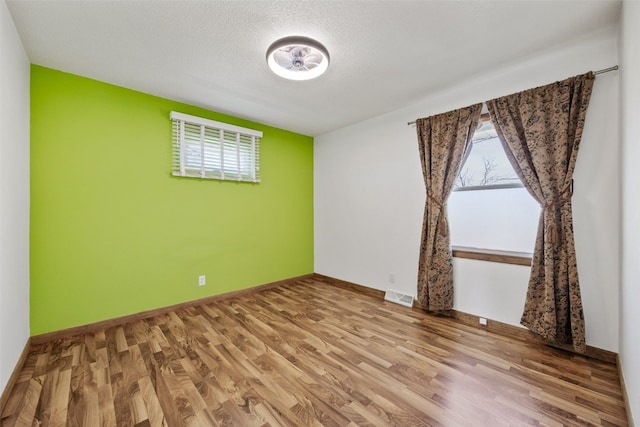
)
(483, 321)
(202, 280)
(392, 277)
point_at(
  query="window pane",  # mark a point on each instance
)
(212, 160)
(505, 219)
(486, 164)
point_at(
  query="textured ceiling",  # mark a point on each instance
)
(384, 54)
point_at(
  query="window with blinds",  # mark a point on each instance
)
(204, 148)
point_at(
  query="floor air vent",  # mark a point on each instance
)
(399, 298)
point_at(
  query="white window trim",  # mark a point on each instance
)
(179, 155)
(214, 124)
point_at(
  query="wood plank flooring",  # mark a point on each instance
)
(308, 354)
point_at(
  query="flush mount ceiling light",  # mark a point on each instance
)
(297, 58)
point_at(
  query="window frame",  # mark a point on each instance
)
(223, 149)
(489, 187)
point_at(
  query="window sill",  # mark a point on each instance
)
(492, 255)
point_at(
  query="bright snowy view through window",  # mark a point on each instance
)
(486, 165)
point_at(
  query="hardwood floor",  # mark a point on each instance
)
(308, 353)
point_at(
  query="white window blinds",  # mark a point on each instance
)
(204, 148)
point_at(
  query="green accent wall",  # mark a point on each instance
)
(114, 233)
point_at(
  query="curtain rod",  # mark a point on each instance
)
(595, 73)
(605, 70)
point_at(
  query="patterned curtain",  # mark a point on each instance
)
(540, 130)
(443, 141)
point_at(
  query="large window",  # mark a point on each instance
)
(486, 165)
(502, 215)
(205, 148)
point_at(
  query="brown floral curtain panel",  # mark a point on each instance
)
(443, 140)
(540, 130)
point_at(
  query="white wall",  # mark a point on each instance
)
(630, 283)
(14, 196)
(369, 194)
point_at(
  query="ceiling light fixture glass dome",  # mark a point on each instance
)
(297, 58)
